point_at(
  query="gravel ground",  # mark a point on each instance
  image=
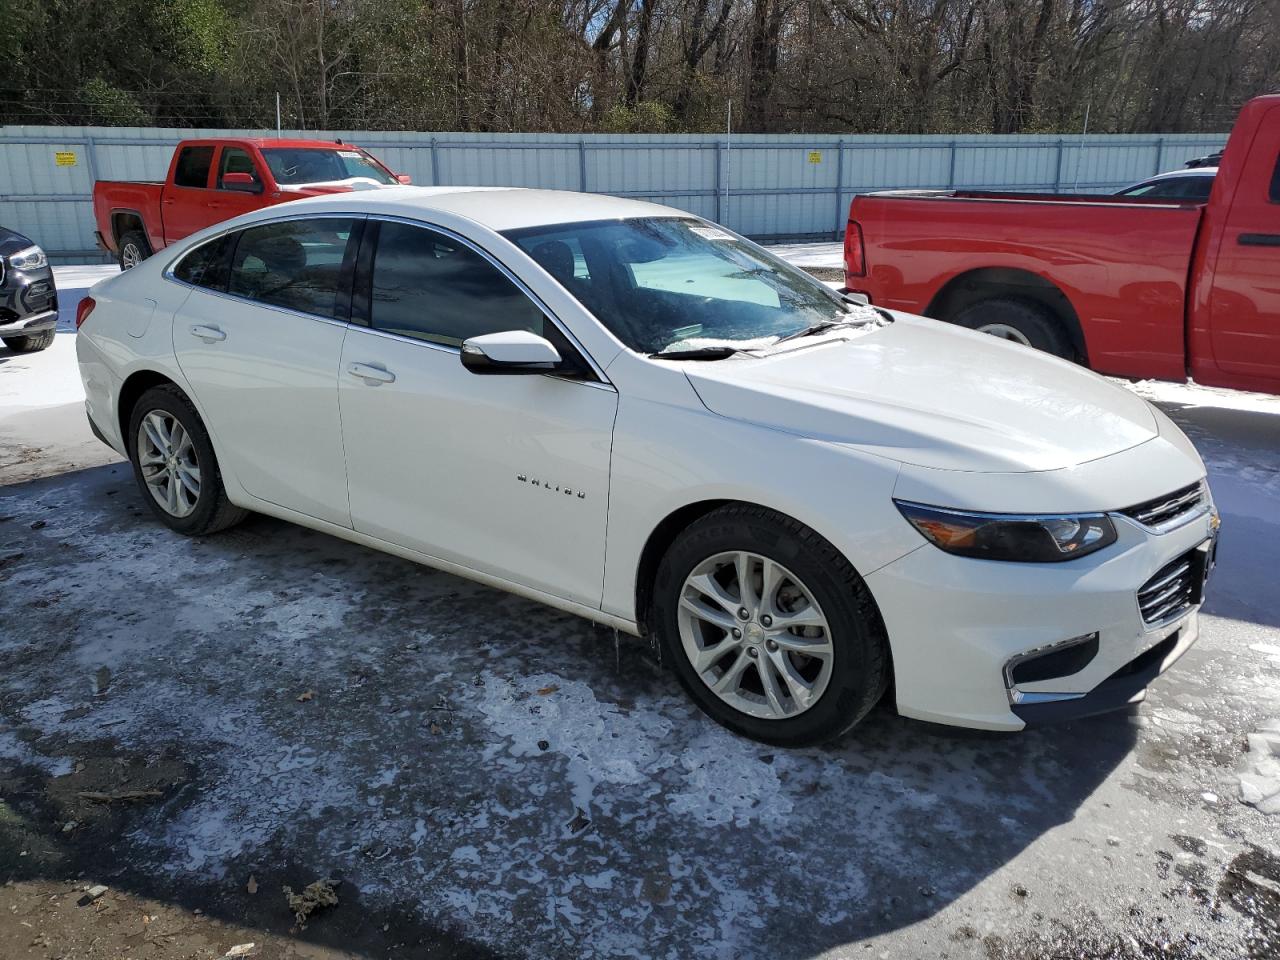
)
(198, 724)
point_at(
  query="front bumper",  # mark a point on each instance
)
(25, 326)
(956, 623)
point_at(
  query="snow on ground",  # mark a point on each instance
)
(828, 256)
(510, 778)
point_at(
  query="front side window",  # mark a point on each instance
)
(206, 265)
(431, 287)
(296, 264)
(674, 283)
(193, 167)
(294, 166)
(235, 160)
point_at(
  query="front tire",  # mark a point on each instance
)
(31, 343)
(797, 657)
(175, 467)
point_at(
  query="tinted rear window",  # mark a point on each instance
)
(193, 167)
(206, 265)
(295, 264)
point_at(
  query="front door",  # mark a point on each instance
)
(504, 474)
(226, 202)
(1244, 306)
(262, 360)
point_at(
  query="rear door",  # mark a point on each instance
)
(184, 204)
(1244, 302)
(261, 353)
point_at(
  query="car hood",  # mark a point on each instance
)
(927, 393)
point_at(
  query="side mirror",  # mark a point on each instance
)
(404, 178)
(512, 351)
(242, 182)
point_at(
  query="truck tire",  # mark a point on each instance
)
(1017, 320)
(133, 249)
(30, 343)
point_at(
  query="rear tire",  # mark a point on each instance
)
(1017, 320)
(175, 466)
(30, 343)
(133, 249)
(808, 697)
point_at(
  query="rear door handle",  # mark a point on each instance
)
(370, 374)
(1259, 240)
(208, 334)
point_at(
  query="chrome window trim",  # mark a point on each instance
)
(510, 275)
(602, 381)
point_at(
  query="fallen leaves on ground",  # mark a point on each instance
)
(322, 893)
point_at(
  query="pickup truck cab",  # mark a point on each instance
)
(1132, 287)
(211, 180)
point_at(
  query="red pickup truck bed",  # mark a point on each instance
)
(1133, 287)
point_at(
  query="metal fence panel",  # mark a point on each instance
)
(769, 187)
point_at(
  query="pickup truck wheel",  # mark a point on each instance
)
(1020, 321)
(30, 343)
(133, 249)
(768, 627)
(175, 467)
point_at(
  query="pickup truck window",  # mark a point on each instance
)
(193, 165)
(293, 166)
(235, 160)
(296, 264)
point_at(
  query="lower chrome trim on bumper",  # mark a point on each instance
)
(32, 324)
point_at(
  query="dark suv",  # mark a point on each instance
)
(28, 298)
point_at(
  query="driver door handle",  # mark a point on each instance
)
(208, 334)
(370, 374)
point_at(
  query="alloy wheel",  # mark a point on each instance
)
(1005, 331)
(169, 464)
(755, 635)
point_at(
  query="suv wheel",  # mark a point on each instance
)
(30, 343)
(770, 629)
(174, 464)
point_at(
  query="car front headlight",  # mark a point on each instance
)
(29, 258)
(1017, 538)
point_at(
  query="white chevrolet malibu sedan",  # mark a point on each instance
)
(635, 415)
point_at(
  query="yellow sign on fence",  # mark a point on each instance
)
(815, 156)
(64, 158)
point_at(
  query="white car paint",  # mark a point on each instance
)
(551, 488)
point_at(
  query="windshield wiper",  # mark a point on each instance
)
(700, 353)
(822, 326)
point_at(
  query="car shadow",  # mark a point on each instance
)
(480, 772)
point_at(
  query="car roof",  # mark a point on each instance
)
(1188, 172)
(261, 142)
(498, 208)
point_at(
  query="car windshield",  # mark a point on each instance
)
(292, 166)
(674, 284)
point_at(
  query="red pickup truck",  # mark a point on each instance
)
(1131, 287)
(216, 179)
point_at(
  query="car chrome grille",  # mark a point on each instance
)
(1167, 511)
(1173, 589)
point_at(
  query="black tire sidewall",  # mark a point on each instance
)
(1034, 321)
(171, 401)
(854, 685)
(30, 343)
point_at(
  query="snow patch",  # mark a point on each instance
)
(1260, 773)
